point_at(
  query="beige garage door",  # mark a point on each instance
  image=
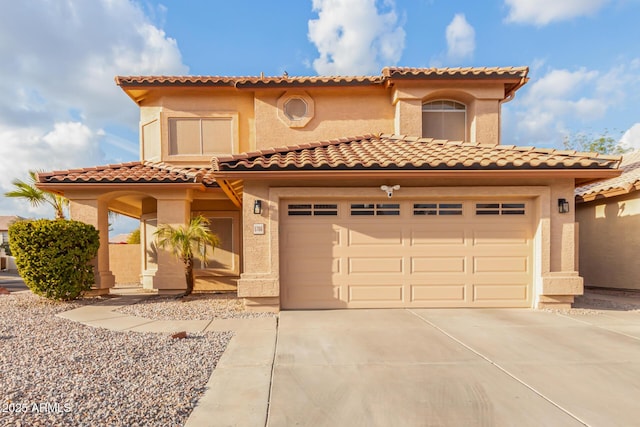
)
(425, 253)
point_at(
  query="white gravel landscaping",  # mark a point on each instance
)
(193, 307)
(56, 372)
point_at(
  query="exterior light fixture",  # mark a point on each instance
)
(563, 205)
(257, 207)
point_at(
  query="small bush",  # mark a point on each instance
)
(53, 256)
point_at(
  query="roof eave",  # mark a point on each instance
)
(340, 174)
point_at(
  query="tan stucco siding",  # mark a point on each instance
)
(337, 113)
(610, 241)
(200, 104)
(124, 261)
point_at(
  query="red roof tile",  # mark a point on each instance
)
(396, 152)
(627, 182)
(292, 81)
(461, 72)
(132, 172)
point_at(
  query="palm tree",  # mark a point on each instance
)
(37, 197)
(188, 241)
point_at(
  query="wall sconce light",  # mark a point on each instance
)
(563, 205)
(257, 207)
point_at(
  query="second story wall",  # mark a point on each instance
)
(330, 113)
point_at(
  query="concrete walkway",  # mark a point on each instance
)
(237, 393)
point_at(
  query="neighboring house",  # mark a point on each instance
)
(608, 213)
(6, 262)
(290, 171)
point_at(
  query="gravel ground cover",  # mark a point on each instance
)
(193, 307)
(598, 301)
(56, 372)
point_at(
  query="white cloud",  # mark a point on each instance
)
(461, 39)
(543, 12)
(57, 93)
(631, 138)
(564, 102)
(355, 37)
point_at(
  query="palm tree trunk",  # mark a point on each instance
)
(188, 270)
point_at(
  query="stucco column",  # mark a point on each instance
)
(169, 277)
(95, 212)
(562, 283)
(259, 283)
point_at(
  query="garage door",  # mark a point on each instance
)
(424, 253)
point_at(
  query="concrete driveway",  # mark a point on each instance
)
(442, 367)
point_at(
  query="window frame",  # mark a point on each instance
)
(202, 115)
(445, 111)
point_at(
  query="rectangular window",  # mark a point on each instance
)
(371, 209)
(441, 209)
(200, 136)
(500, 209)
(308, 209)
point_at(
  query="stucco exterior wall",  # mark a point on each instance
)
(337, 113)
(124, 261)
(482, 101)
(610, 241)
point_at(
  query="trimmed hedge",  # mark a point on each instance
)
(53, 256)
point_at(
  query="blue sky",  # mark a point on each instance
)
(60, 108)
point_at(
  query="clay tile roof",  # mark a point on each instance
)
(465, 72)
(627, 182)
(247, 81)
(399, 152)
(293, 81)
(132, 172)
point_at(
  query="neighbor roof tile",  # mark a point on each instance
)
(627, 182)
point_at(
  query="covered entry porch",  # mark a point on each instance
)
(154, 194)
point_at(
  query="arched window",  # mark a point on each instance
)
(444, 119)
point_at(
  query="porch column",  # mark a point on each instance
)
(96, 213)
(169, 277)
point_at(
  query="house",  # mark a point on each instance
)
(6, 262)
(608, 213)
(346, 192)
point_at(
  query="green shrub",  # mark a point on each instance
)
(53, 256)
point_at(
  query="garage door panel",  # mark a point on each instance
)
(314, 295)
(371, 265)
(374, 235)
(500, 237)
(500, 292)
(500, 264)
(391, 293)
(430, 236)
(438, 292)
(440, 264)
(310, 267)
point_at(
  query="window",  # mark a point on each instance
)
(444, 119)
(295, 108)
(308, 209)
(379, 209)
(500, 209)
(441, 209)
(200, 136)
